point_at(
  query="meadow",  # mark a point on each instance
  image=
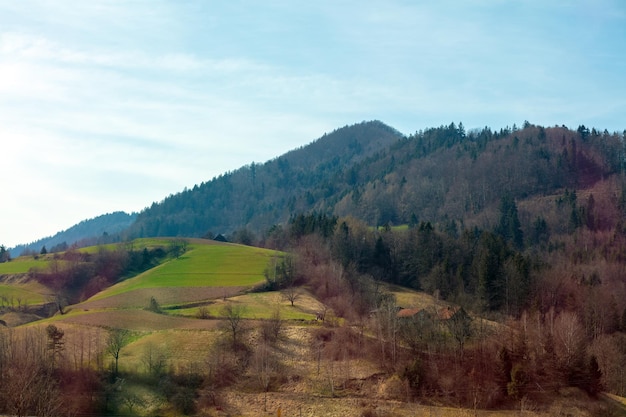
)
(23, 264)
(25, 293)
(202, 265)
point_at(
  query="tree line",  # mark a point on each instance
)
(76, 275)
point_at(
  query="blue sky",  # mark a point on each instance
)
(111, 105)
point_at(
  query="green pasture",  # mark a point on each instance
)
(16, 292)
(23, 264)
(203, 265)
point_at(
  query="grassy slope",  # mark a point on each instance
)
(23, 264)
(262, 306)
(206, 272)
(203, 265)
(28, 294)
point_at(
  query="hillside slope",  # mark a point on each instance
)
(260, 195)
(369, 171)
(100, 229)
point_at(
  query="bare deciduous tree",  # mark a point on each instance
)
(271, 329)
(116, 340)
(265, 367)
(233, 321)
(27, 385)
(291, 294)
(154, 359)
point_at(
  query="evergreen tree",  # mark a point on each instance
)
(540, 232)
(55, 343)
(509, 226)
(594, 377)
(488, 264)
(5, 256)
(381, 259)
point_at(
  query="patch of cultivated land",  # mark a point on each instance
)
(140, 298)
(261, 305)
(132, 319)
(27, 294)
(203, 265)
(23, 264)
(182, 348)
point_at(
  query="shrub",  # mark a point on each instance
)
(154, 306)
(516, 387)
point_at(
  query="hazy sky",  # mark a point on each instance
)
(111, 105)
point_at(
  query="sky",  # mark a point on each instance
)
(112, 105)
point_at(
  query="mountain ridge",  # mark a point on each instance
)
(102, 228)
(258, 196)
(371, 171)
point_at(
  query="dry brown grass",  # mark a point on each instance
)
(236, 403)
(136, 320)
(14, 319)
(361, 386)
(407, 298)
(182, 348)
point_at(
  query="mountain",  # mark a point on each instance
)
(103, 229)
(258, 196)
(372, 172)
(444, 173)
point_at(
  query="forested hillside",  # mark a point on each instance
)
(258, 196)
(446, 173)
(101, 229)
(371, 172)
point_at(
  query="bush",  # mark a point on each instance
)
(519, 379)
(203, 313)
(393, 388)
(154, 306)
(414, 374)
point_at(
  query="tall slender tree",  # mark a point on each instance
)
(509, 226)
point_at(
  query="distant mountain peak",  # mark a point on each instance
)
(359, 140)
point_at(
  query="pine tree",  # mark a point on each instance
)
(5, 256)
(509, 226)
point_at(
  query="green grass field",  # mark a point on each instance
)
(17, 292)
(203, 265)
(23, 264)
